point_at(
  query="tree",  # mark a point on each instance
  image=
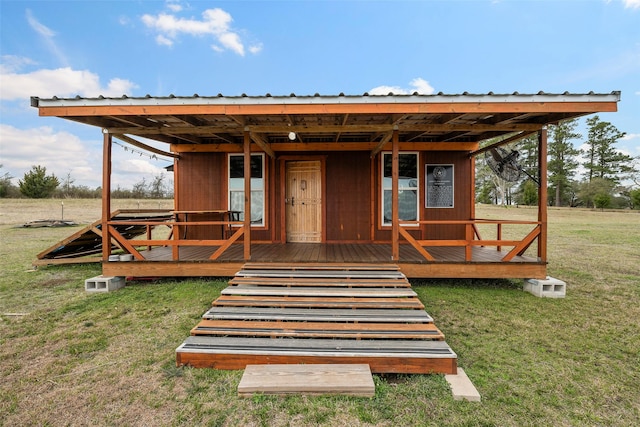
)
(602, 200)
(36, 184)
(603, 160)
(139, 190)
(528, 193)
(67, 185)
(157, 187)
(597, 187)
(562, 163)
(634, 195)
(5, 184)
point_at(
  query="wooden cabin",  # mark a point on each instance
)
(332, 180)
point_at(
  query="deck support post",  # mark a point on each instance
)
(106, 193)
(542, 194)
(395, 215)
(247, 195)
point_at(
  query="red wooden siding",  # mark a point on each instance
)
(202, 185)
(348, 196)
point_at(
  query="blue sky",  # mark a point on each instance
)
(111, 48)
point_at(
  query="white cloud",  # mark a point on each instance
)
(174, 5)
(48, 36)
(631, 4)
(164, 41)
(215, 22)
(418, 85)
(13, 63)
(60, 152)
(257, 48)
(58, 82)
(63, 153)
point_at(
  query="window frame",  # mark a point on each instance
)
(263, 222)
(382, 222)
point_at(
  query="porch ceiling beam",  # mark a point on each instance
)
(262, 142)
(588, 107)
(512, 138)
(168, 130)
(328, 146)
(144, 146)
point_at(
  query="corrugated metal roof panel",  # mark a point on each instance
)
(327, 99)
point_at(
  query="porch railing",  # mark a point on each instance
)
(473, 237)
(174, 235)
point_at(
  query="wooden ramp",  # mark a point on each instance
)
(77, 248)
(316, 314)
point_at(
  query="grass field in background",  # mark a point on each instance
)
(68, 357)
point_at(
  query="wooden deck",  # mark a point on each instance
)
(330, 253)
(354, 314)
(449, 261)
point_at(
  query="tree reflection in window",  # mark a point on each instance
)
(408, 186)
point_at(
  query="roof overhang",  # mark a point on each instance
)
(218, 123)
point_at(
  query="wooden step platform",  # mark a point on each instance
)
(319, 329)
(317, 314)
(318, 291)
(313, 302)
(349, 380)
(313, 314)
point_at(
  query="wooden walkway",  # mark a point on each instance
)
(291, 314)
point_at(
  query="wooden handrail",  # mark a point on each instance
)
(173, 241)
(472, 237)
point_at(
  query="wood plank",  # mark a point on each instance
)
(319, 330)
(318, 291)
(322, 302)
(397, 356)
(317, 315)
(312, 266)
(320, 281)
(318, 273)
(317, 379)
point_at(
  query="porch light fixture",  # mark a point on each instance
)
(292, 136)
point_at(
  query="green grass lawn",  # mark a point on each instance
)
(68, 357)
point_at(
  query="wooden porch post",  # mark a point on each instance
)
(395, 215)
(106, 193)
(542, 194)
(247, 195)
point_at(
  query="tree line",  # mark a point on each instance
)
(596, 176)
(37, 184)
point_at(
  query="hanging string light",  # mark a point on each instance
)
(140, 152)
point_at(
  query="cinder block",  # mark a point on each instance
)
(104, 284)
(546, 288)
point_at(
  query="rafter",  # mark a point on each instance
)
(146, 147)
(262, 142)
(512, 138)
(381, 144)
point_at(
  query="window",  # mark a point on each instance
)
(236, 186)
(408, 187)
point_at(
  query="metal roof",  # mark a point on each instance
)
(324, 119)
(366, 98)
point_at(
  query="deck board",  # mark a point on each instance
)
(318, 302)
(319, 291)
(319, 329)
(280, 253)
(317, 315)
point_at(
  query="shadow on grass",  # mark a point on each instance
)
(503, 284)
